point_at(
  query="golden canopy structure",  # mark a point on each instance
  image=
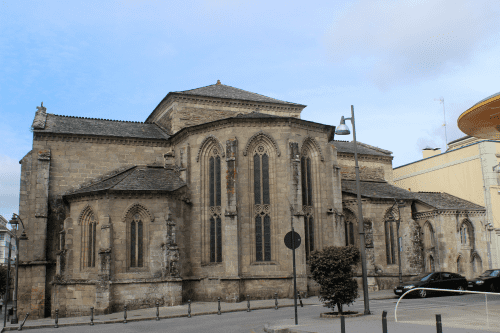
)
(483, 119)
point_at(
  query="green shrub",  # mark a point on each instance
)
(332, 269)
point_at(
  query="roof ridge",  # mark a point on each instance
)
(245, 91)
(89, 118)
(103, 178)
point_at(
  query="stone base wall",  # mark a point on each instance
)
(77, 299)
(73, 300)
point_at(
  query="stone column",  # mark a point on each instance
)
(297, 220)
(231, 237)
(103, 294)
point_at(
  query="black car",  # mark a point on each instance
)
(438, 280)
(488, 281)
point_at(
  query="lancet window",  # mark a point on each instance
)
(390, 241)
(307, 203)
(214, 166)
(88, 222)
(262, 204)
(136, 242)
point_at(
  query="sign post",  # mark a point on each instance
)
(292, 241)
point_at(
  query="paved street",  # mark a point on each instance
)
(415, 314)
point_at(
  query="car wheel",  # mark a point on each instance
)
(422, 293)
(460, 289)
(492, 288)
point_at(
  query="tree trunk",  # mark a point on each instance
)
(339, 307)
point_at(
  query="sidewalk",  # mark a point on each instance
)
(197, 309)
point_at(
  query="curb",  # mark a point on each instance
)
(117, 321)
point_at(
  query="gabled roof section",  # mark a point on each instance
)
(136, 178)
(442, 200)
(363, 148)
(380, 190)
(220, 90)
(383, 190)
(256, 114)
(101, 127)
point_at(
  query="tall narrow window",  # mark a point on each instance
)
(89, 223)
(307, 203)
(390, 242)
(262, 201)
(349, 233)
(136, 242)
(215, 206)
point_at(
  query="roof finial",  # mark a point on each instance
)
(218, 82)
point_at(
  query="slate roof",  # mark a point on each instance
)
(223, 91)
(385, 190)
(363, 148)
(376, 190)
(445, 201)
(101, 127)
(136, 178)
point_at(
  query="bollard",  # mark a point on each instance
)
(57, 319)
(22, 324)
(384, 322)
(300, 300)
(157, 310)
(92, 316)
(439, 326)
(276, 301)
(189, 308)
(125, 314)
(218, 300)
(342, 324)
(248, 303)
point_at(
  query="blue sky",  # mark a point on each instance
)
(118, 59)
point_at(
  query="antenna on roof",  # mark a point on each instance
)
(441, 100)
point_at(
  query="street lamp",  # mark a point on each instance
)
(400, 204)
(342, 129)
(14, 223)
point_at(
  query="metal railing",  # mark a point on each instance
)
(448, 290)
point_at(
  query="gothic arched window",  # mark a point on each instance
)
(390, 241)
(463, 234)
(88, 222)
(307, 203)
(262, 202)
(215, 206)
(136, 242)
(349, 220)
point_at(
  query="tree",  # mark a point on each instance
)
(332, 269)
(3, 279)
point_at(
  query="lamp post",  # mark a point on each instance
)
(344, 130)
(14, 223)
(400, 204)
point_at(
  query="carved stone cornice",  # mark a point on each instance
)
(363, 157)
(40, 136)
(447, 212)
(290, 122)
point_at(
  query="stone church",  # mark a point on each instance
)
(194, 203)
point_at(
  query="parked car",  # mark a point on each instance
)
(438, 280)
(488, 281)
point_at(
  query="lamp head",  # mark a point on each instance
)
(14, 222)
(342, 129)
(23, 236)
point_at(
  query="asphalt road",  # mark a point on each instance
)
(253, 322)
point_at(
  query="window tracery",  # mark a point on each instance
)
(307, 203)
(215, 209)
(262, 203)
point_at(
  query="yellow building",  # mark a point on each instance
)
(469, 169)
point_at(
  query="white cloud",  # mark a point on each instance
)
(411, 40)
